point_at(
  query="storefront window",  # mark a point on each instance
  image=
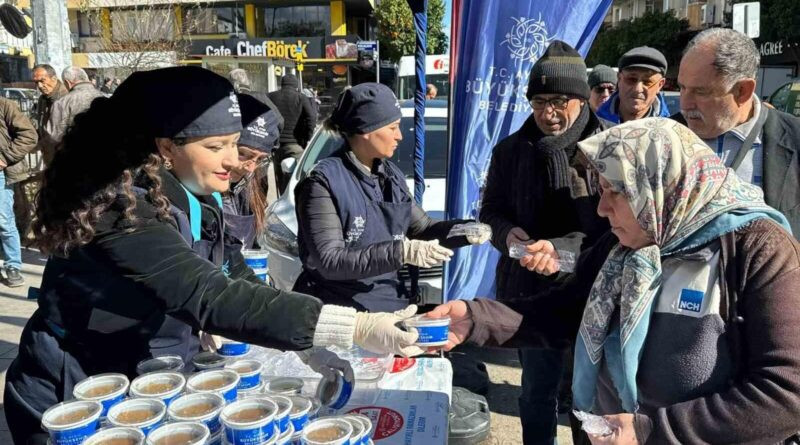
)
(88, 24)
(143, 25)
(291, 21)
(213, 20)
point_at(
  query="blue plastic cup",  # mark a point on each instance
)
(116, 435)
(249, 372)
(108, 389)
(71, 422)
(256, 259)
(145, 414)
(217, 381)
(162, 385)
(327, 431)
(187, 433)
(301, 408)
(250, 421)
(198, 407)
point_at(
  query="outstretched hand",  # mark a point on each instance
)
(540, 257)
(460, 321)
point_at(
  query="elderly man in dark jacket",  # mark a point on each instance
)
(299, 119)
(718, 102)
(17, 139)
(539, 193)
(52, 89)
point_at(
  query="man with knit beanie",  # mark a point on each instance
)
(603, 82)
(639, 83)
(538, 193)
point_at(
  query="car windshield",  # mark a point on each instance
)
(435, 148)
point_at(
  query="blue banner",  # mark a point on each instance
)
(498, 43)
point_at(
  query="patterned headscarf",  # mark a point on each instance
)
(683, 196)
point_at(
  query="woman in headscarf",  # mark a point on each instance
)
(685, 315)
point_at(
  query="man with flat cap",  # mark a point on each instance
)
(538, 193)
(640, 79)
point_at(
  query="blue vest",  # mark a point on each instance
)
(369, 214)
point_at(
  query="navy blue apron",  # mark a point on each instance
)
(369, 214)
(175, 336)
(240, 223)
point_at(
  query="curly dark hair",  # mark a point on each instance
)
(73, 197)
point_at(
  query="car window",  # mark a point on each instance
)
(435, 148)
(673, 102)
(780, 97)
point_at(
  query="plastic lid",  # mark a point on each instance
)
(71, 414)
(160, 363)
(120, 382)
(187, 400)
(188, 433)
(230, 377)
(268, 406)
(422, 321)
(345, 430)
(118, 433)
(156, 406)
(205, 360)
(175, 380)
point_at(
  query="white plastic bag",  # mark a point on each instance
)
(594, 424)
(566, 259)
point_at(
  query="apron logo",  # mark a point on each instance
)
(354, 233)
(690, 300)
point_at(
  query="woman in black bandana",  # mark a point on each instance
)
(136, 255)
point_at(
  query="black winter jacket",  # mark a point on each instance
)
(299, 118)
(264, 99)
(321, 236)
(150, 271)
(517, 195)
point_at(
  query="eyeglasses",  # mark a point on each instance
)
(648, 82)
(262, 163)
(599, 89)
(558, 103)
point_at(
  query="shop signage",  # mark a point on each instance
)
(771, 48)
(292, 48)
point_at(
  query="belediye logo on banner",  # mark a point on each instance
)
(527, 39)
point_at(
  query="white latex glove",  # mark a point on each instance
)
(326, 362)
(424, 253)
(210, 342)
(377, 332)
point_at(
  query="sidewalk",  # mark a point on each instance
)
(15, 309)
(502, 364)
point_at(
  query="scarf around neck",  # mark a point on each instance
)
(557, 151)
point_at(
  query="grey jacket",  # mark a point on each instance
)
(65, 109)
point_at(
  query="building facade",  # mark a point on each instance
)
(315, 39)
(16, 55)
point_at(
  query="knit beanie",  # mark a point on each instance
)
(366, 107)
(602, 74)
(560, 70)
